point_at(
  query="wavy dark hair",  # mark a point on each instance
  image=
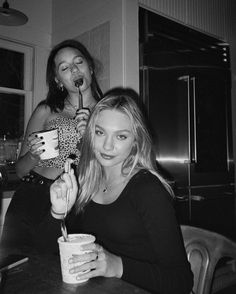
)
(55, 97)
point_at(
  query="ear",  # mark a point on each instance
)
(134, 150)
(56, 80)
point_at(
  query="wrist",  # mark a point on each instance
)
(32, 157)
(57, 215)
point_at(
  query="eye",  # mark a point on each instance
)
(122, 137)
(99, 132)
(63, 68)
(79, 60)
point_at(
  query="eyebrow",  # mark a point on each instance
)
(123, 130)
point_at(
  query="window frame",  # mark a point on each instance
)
(28, 76)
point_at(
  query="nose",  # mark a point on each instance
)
(74, 68)
(108, 143)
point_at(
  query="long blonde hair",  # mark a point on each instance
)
(141, 156)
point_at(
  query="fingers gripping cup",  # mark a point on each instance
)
(50, 138)
(67, 250)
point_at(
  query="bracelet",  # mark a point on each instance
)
(57, 213)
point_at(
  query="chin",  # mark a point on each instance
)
(106, 163)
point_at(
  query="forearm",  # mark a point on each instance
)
(156, 278)
(25, 164)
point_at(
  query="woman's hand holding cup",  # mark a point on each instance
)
(34, 142)
(98, 259)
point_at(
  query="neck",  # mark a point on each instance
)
(112, 173)
(87, 97)
(113, 184)
(71, 103)
(74, 102)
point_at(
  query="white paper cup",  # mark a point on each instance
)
(50, 138)
(67, 250)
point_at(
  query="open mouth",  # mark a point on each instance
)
(78, 82)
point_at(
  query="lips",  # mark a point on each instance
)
(106, 156)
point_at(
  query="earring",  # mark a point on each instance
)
(60, 86)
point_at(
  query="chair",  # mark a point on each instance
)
(206, 250)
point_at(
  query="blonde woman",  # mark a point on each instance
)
(122, 200)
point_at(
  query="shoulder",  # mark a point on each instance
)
(146, 179)
(42, 113)
(42, 110)
(146, 188)
(38, 119)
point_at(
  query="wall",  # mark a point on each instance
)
(97, 41)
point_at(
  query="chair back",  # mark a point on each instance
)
(204, 249)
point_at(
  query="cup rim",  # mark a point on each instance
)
(45, 131)
(60, 239)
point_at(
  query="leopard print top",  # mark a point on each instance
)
(68, 142)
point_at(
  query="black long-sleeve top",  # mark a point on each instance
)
(140, 227)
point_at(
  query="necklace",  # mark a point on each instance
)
(73, 106)
(105, 189)
(111, 186)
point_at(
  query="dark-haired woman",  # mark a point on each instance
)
(70, 76)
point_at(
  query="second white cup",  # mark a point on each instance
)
(50, 138)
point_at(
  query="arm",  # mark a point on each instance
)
(49, 228)
(170, 271)
(29, 157)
